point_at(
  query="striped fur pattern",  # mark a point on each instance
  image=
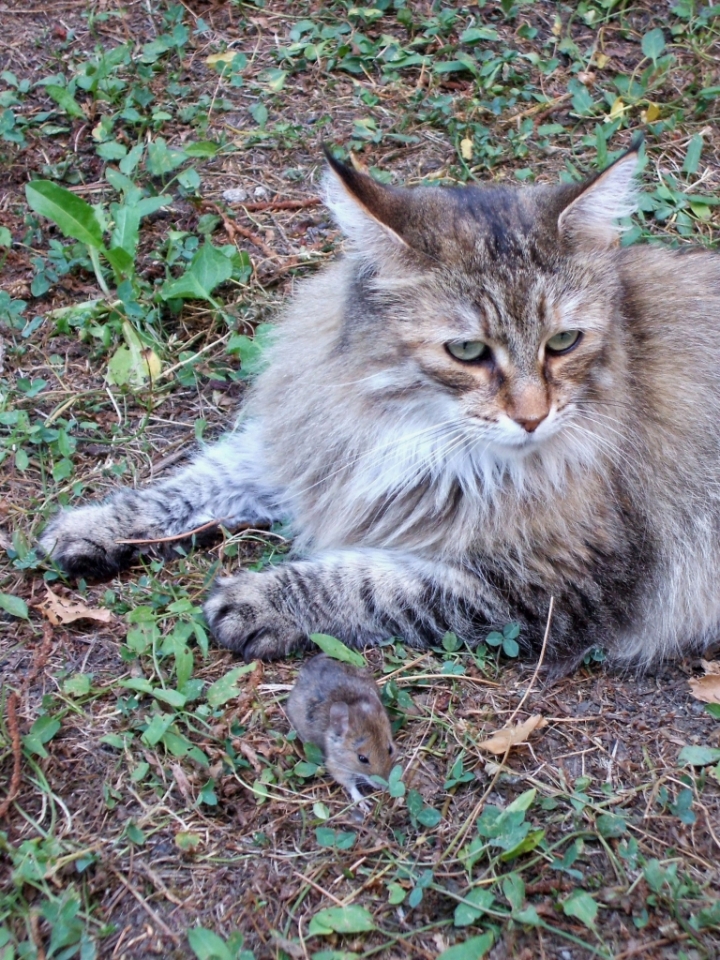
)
(429, 493)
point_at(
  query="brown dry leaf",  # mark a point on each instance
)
(707, 688)
(512, 736)
(182, 781)
(59, 610)
(252, 757)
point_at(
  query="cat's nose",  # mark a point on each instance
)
(530, 425)
(529, 404)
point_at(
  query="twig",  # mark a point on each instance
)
(405, 666)
(293, 263)
(281, 204)
(446, 676)
(539, 110)
(232, 229)
(148, 909)
(191, 359)
(235, 228)
(539, 663)
(159, 885)
(316, 886)
(113, 401)
(14, 731)
(184, 535)
(644, 947)
(65, 5)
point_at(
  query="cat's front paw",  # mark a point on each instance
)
(247, 614)
(83, 542)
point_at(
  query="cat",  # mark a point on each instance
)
(486, 403)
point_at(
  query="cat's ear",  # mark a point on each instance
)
(591, 218)
(368, 213)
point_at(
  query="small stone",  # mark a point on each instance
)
(261, 193)
(235, 195)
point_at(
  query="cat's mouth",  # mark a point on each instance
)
(515, 438)
(520, 443)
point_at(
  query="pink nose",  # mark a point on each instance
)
(529, 425)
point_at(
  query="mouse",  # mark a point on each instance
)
(337, 707)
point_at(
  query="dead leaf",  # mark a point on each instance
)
(707, 688)
(227, 56)
(512, 736)
(153, 361)
(617, 109)
(710, 666)
(252, 757)
(466, 149)
(289, 947)
(59, 610)
(182, 781)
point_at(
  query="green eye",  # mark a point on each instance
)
(563, 342)
(468, 350)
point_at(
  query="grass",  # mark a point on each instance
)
(156, 803)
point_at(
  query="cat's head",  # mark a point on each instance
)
(496, 307)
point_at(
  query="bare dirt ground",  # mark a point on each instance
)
(144, 800)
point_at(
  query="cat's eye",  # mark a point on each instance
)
(362, 758)
(468, 350)
(563, 342)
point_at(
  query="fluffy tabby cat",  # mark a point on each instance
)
(486, 403)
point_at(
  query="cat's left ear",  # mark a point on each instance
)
(591, 218)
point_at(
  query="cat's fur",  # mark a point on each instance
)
(427, 494)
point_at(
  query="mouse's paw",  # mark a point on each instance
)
(362, 809)
(247, 614)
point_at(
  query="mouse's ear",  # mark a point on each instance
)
(339, 719)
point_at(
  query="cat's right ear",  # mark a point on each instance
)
(591, 219)
(370, 214)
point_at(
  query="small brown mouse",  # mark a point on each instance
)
(337, 707)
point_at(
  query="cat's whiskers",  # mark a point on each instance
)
(605, 425)
(439, 464)
(598, 445)
(619, 456)
(430, 465)
(410, 482)
(378, 453)
(594, 402)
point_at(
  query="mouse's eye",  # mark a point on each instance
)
(390, 750)
(362, 758)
